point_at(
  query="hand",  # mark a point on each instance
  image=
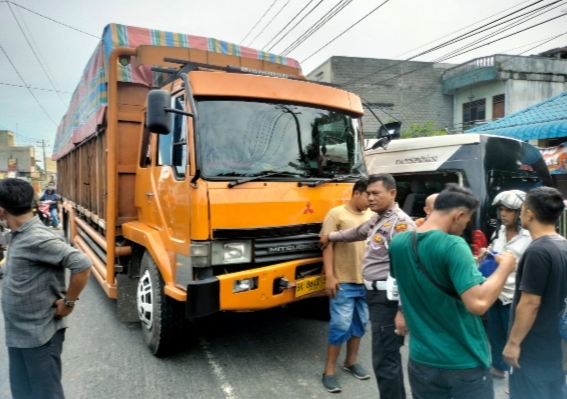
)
(62, 309)
(481, 254)
(400, 322)
(511, 354)
(332, 286)
(324, 241)
(507, 260)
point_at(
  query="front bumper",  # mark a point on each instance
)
(214, 294)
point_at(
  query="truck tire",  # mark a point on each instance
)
(162, 317)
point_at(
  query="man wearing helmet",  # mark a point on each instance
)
(509, 236)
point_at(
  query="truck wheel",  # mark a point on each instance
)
(162, 317)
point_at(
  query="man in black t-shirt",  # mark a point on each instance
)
(534, 345)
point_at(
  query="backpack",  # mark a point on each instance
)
(563, 322)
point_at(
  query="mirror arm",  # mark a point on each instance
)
(178, 111)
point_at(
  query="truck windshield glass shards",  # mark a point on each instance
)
(249, 138)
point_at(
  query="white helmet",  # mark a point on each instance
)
(512, 199)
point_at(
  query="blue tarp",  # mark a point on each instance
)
(547, 119)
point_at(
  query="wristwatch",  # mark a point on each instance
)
(68, 302)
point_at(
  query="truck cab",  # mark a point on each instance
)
(198, 178)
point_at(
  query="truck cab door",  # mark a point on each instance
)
(145, 193)
(170, 180)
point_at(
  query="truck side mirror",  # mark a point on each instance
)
(159, 121)
(391, 130)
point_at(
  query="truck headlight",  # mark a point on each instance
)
(223, 253)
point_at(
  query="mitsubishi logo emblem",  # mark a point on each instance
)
(308, 209)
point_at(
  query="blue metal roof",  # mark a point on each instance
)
(547, 119)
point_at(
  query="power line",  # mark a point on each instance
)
(33, 88)
(294, 26)
(346, 30)
(37, 47)
(317, 25)
(504, 37)
(27, 86)
(36, 56)
(452, 55)
(269, 22)
(51, 19)
(256, 24)
(547, 40)
(508, 27)
(463, 28)
(288, 24)
(447, 43)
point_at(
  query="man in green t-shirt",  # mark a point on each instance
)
(442, 296)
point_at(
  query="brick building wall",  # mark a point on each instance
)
(413, 98)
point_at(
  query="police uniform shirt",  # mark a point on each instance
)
(378, 233)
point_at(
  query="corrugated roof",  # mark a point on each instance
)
(547, 119)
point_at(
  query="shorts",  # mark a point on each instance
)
(349, 313)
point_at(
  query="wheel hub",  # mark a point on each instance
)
(145, 300)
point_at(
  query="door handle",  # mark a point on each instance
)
(149, 194)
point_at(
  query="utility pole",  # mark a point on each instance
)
(44, 144)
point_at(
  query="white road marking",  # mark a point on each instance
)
(217, 370)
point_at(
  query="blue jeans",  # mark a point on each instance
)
(54, 217)
(349, 314)
(541, 381)
(498, 320)
(433, 383)
(35, 373)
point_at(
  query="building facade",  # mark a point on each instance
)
(489, 88)
(408, 91)
(19, 159)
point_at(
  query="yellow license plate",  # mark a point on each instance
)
(309, 285)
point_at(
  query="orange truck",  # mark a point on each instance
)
(196, 175)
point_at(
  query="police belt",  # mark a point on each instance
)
(375, 285)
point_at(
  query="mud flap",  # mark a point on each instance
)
(126, 301)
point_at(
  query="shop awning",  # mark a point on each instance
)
(545, 120)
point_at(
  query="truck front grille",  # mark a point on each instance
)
(281, 249)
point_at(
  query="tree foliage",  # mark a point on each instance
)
(425, 129)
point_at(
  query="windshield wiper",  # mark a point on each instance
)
(331, 180)
(258, 177)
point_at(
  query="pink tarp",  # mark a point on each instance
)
(89, 100)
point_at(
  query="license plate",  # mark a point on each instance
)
(309, 285)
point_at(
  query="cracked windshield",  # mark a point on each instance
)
(246, 138)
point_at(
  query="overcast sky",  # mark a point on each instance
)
(396, 28)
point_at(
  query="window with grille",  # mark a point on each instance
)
(474, 111)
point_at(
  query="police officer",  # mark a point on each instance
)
(388, 221)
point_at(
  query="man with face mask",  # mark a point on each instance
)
(442, 295)
(35, 298)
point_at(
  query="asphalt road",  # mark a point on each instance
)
(270, 354)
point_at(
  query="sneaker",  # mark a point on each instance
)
(331, 383)
(57, 227)
(358, 371)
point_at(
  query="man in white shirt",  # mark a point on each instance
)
(510, 236)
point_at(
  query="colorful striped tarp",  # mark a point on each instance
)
(89, 100)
